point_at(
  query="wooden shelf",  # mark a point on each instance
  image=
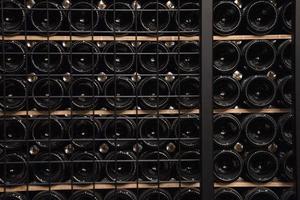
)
(135, 185)
(141, 112)
(142, 38)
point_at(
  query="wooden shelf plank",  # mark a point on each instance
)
(250, 184)
(254, 37)
(244, 110)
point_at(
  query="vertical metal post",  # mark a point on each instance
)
(206, 37)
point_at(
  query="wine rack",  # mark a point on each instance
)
(101, 24)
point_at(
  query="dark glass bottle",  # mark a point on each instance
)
(47, 17)
(53, 195)
(289, 194)
(285, 55)
(119, 17)
(261, 166)
(12, 196)
(154, 92)
(48, 93)
(187, 129)
(260, 129)
(155, 165)
(260, 16)
(119, 57)
(49, 168)
(12, 57)
(226, 91)
(227, 129)
(187, 194)
(259, 55)
(12, 92)
(188, 165)
(48, 132)
(286, 90)
(86, 195)
(120, 194)
(14, 133)
(186, 56)
(13, 169)
(187, 93)
(13, 15)
(226, 55)
(228, 165)
(151, 194)
(288, 165)
(187, 17)
(86, 167)
(120, 166)
(120, 128)
(153, 21)
(154, 131)
(286, 13)
(84, 56)
(153, 57)
(259, 90)
(286, 128)
(119, 93)
(84, 131)
(261, 193)
(227, 193)
(47, 56)
(227, 17)
(85, 93)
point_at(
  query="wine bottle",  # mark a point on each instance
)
(12, 57)
(14, 133)
(227, 17)
(13, 92)
(47, 56)
(154, 92)
(259, 90)
(83, 17)
(12, 196)
(154, 130)
(226, 55)
(186, 56)
(188, 165)
(188, 193)
(86, 167)
(49, 168)
(120, 194)
(49, 194)
(120, 166)
(84, 57)
(261, 166)
(286, 13)
(227, 193)
(85, 93)
(155, 194)
(119, 93)
(48, 132)
(288, 165)
(155, 165)
(260, 129)
(261, 193)
(153, 57)
(120, 128)
(12, 16)
(86, 195)
(286, 90)
(286, 128)
(119, 57)
(119, 17)
(288, 194)
(227, 129)
(260, 16)
(285, 55)
(48, 93)
(187, 129)
(228, 165)
(259, 55)
(187, 17)
(155, 17)
(47, 17)
(13, 169)
(84, 131)
(186, 90)
(226, 91)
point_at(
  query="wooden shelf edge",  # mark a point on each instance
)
(142, 112)
(142, 38)
(250, 184)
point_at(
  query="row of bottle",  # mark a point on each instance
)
(147, 57)
(150, 17)
(121, 166)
